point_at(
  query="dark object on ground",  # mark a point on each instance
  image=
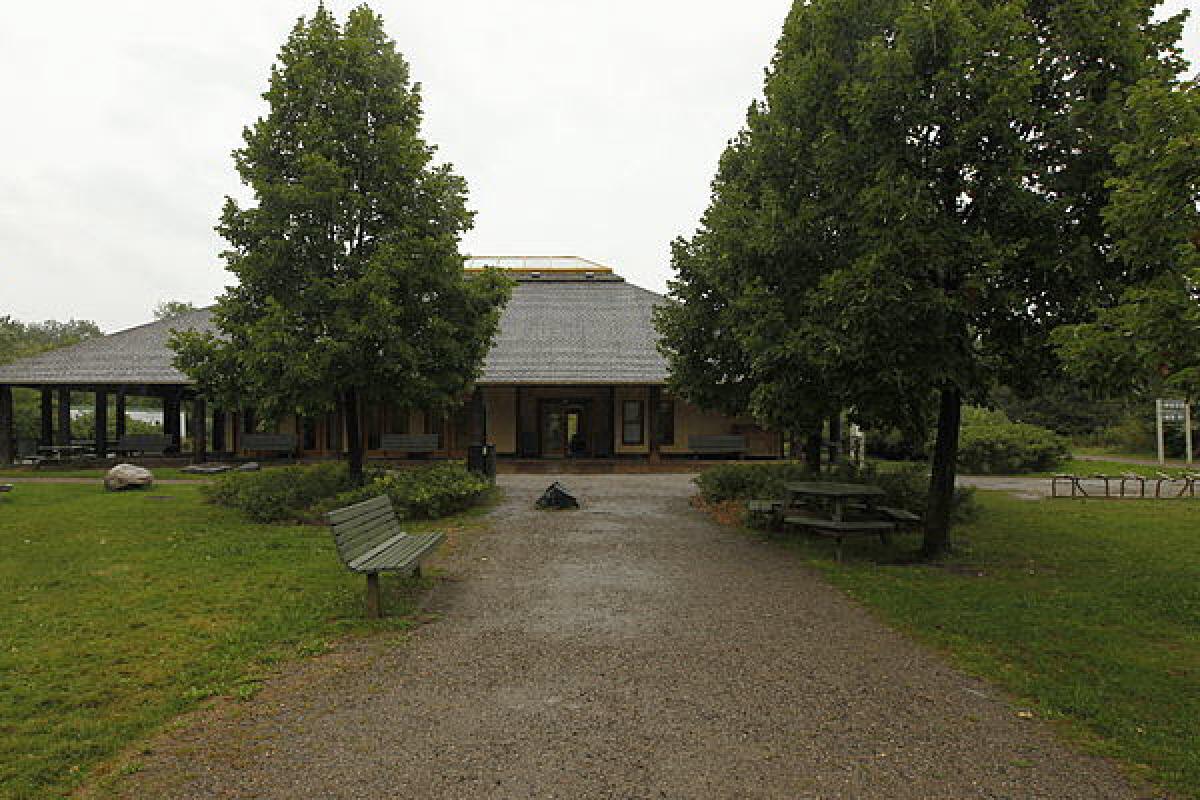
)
(556, 496)
(5, 487)
(249, 466)
(369, 540)
(128, 476)
(206, 469)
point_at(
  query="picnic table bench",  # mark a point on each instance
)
(410, 442)
(284, 443)
(835, 510)
(369, 541)
(145, 443)
(718, 444)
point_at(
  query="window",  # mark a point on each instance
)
(664, 421)
(631, 422)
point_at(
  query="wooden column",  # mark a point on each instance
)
(101, 422)
(611, 449)
(652, 421)
(47, 437)
(170, 404)
(520, 426)
(218, 430)
(120, 422)
(8, 428)
(199, 431)
(478, 418)
(64, 415)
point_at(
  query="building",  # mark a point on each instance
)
(574, 373)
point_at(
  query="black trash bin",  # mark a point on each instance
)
(481, 459)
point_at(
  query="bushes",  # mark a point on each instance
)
(280, 493)
(906, 488)
(992, 444)
(429, 492)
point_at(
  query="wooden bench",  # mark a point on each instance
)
(900, 516)
(284, 443)
(722, 444)
(369, 541)
(144, 443)
(839, 529)
(410, 442)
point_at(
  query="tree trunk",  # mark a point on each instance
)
(941, 483)
(835, 438)
(354, 434)
(812, 452)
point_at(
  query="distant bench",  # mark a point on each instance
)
(145, 443)
(269, 443)
(410, 442)
(718, 444)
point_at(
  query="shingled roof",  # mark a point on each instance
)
(555, 329)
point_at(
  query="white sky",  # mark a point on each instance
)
(582, 128)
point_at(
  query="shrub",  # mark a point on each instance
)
(992, 444)
(425, 492)
(906, 488)
(278, 493)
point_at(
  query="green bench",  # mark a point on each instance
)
(283, 443)
(145, 443)
(410, 442)
(369, 541)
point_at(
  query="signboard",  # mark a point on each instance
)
(1174, 412)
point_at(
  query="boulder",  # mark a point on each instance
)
(127, 476)
(249, 466)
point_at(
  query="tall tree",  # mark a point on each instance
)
(351, 288)
(946, 163)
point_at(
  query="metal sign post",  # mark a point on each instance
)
(1176, 412)
(1158, 430)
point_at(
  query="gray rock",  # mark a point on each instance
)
(249, 466)
(206, 469)
(127, 476)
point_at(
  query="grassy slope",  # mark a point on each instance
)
(122, 610)
(1089, 611)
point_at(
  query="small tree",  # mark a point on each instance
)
(350, 287)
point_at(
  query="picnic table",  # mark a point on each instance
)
(835, 510)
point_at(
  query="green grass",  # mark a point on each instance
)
(1088, 611)
(161, 473)
(124, 609)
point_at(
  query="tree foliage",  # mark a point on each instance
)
(916, 204)
(170, 309)
(350, 286)
(23, 339)
(1149, 342)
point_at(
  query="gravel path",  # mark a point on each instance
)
(634, 649)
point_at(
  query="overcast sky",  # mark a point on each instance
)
(582, 128)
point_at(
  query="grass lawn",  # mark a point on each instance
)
(124, 609)
(1087, 611)
(161, 473)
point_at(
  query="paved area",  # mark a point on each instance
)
(634, 649)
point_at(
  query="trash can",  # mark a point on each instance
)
(481, 459)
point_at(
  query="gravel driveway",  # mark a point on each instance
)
(634, 649)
